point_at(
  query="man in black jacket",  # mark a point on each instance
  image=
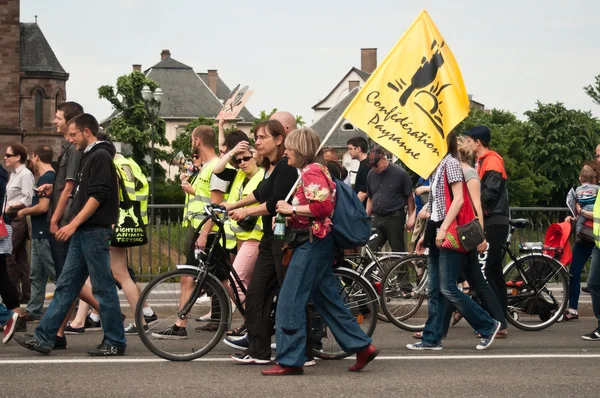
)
(95, 209)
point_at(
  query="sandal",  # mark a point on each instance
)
(239, 331)
(456, 317)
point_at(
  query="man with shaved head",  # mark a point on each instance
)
(286, 119)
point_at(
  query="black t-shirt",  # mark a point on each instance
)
(274, 188)
(39, 223)
(389, 190)
(360, 183)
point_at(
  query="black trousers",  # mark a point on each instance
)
(8, 290)
(496, 237)
(266, 280)
(18, 263)
(390, 228)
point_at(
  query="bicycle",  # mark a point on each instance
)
(373, 266)
(164, 293)
(537, 287)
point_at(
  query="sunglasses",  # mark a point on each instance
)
(597, 156)
(9, 155)
(196, 156)
(244, 159)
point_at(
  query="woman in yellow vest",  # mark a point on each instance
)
(249, 231)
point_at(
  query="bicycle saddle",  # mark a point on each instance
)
(519, 222)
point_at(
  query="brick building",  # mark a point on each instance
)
(32, 82)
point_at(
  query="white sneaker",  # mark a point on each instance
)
(309, 364)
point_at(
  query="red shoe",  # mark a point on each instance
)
(281, 370)
(363, 358)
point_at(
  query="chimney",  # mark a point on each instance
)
(137, 67)
(213, 75)
(165, 54)
(368, 59)
(352, 84)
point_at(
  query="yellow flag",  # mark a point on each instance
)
(415, 97)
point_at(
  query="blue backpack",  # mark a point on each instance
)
(350, 225)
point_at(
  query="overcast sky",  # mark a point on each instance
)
(292, 54)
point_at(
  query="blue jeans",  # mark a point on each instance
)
(310, 275)
(483, 291)
(594, 283)
(443, 267)
(42, 268)
(5, 315)
(59, 253)
(581, 253)
(88, 256)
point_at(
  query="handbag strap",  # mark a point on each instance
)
(126, 203)
(4, 204)
(467, 189)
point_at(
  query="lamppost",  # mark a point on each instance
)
(152, 102)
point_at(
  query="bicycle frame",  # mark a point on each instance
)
(203, 269)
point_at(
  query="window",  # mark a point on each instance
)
(57, 100)
(39, 108)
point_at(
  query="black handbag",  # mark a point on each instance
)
(296, 237)
(471, 234)
(129, 231)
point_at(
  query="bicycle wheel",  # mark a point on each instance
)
(163, 294)
(403, 292)
(537, 290)
(361, 301)
(375, 273)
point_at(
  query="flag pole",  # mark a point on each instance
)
(333, 128)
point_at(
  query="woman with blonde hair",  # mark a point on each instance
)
(310, 273)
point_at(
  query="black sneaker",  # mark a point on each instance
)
(106, 350)
(171, 334)
(21, 325)
(60, 343)
(151, 320)
(132, 329)
(71, 330)
(594, 336)
(585, 289)
(92, 325)
(28, 341)
(249, 360)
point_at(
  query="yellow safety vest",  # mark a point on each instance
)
(140, 195)
(189, 203)
(597, 221)
(238, 192)
(202, 198)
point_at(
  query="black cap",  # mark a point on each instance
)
(481, 133)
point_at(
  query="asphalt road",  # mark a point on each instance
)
(554, 362)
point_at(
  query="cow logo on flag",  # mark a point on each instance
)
(415, 97)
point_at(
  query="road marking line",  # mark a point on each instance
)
(388, 357)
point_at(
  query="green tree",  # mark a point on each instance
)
(594, 91)
(525, 185)
(264, 116)
(131, 122)
(559, 141)
(183, 141)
